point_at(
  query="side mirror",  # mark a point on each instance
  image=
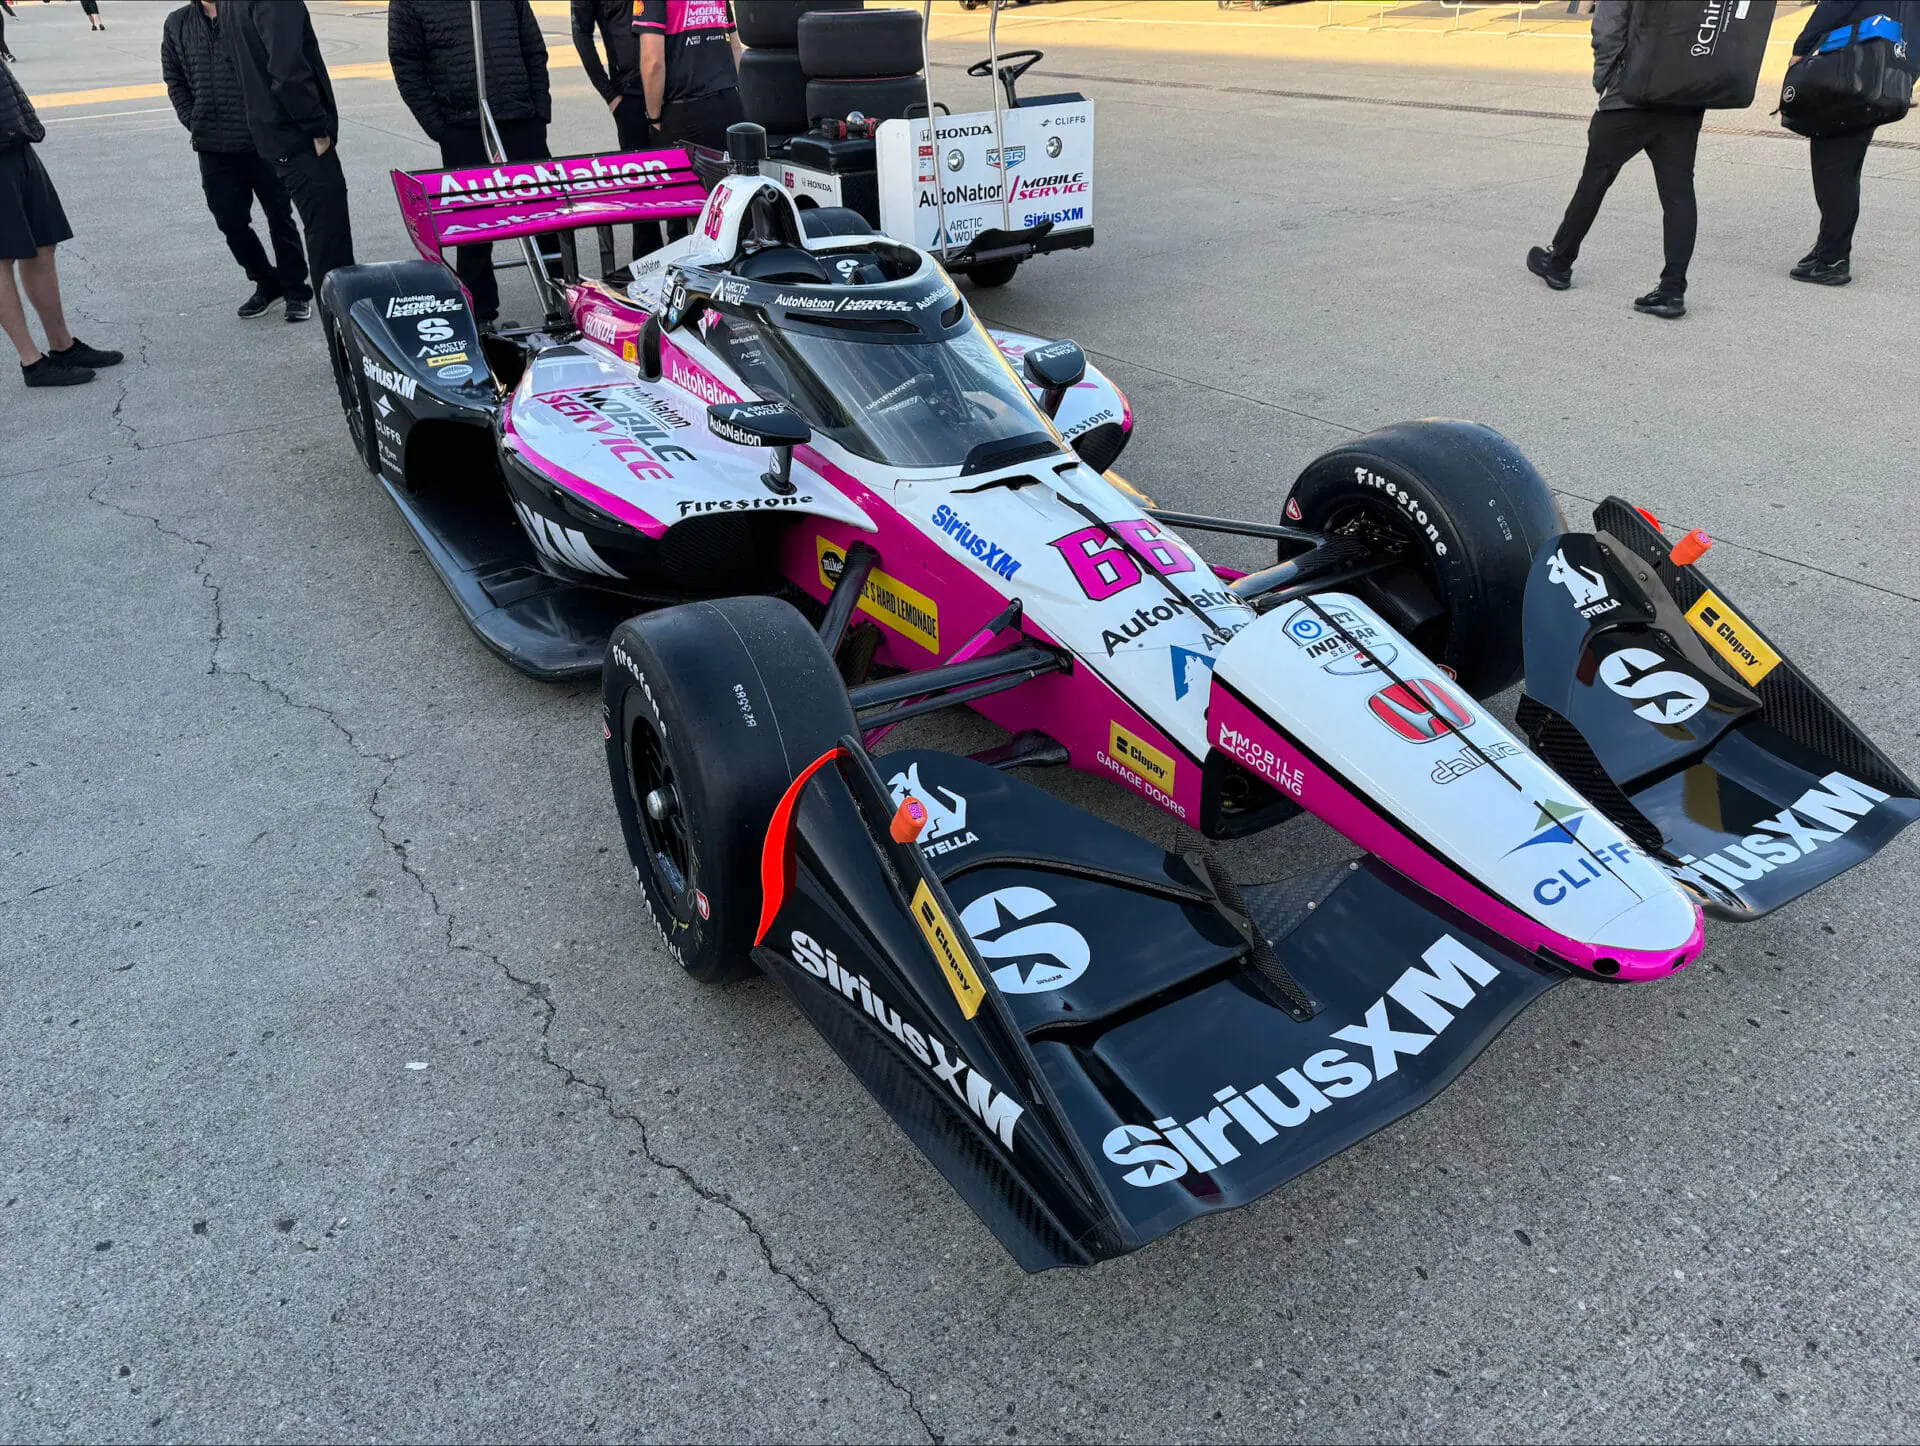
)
(763, 424)
(1056, 369)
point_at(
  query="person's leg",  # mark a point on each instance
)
(227, 181)
(318, 189)
(461, 146)
(1672, 149)
(290, 259)
(13, 317)
(630, 122)
(41, 281)
(1613, 138)
(1837, 162)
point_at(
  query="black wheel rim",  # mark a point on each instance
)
(656, 804)
(1382, 530)
(349, 387)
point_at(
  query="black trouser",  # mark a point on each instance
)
(1615, 137)
(232, 181)
(318, 189)
(702, 121)
(637, 135)
(460, 146)
(1836, 186)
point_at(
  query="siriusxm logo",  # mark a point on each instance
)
(1819, 816)
(996, 559)
(1167, 1150)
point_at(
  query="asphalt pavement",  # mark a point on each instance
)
(347, 1094)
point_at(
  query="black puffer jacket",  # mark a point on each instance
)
(19, 125)
(201, 84)
(1830, 15)
(430, 45)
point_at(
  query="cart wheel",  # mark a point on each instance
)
(993, 273)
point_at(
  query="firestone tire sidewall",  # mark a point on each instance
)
(353, 392)
(1475, 506)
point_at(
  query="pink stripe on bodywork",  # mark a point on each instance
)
(1333, 801)
(1074, 708)
(599, 497)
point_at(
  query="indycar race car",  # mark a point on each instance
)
(1094, 1040)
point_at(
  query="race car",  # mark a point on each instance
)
(1094, 1040)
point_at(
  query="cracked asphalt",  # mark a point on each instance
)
(348, 1095)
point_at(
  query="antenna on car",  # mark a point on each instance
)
(746, 148)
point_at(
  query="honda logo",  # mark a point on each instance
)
(1420, 711)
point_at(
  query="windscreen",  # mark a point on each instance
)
(906, 401)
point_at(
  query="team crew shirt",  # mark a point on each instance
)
(699, 53)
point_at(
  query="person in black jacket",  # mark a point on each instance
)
(32, 224)
(294, 122)
(206, 96)
(1837, 160)
(1619, 131)
(430, 46)
(618, 82)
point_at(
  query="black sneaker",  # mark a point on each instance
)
(1541, 263)
(82, 355)
(1669, 304)
(1824, 273)
(299, 311)
(259, 304)
(49, 373)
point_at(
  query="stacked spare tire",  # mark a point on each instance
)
(812, 60)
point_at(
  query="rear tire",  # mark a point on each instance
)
(865, 45)
(712, 710)
(353, 390)
(1472, 511)
(882, 99)
(773, 90)
(775, 24)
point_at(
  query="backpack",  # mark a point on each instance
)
(1698, 54)
(1855, 79)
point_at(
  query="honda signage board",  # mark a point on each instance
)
(1049, 173)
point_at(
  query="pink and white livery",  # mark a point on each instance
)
(786, 405)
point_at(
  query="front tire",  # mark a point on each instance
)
(712, 710)
(352, 388)
(1469, 512)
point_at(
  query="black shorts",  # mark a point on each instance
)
(30, 211)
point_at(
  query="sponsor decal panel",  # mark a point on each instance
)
(1328, 645)
(1250, 1118)
(1559, 824)
(456, 374)
(1420, 709)
(1732, 637)
(1459, 765)
(886, 599)
(1042, 954)
(1261, 759)
(542, 180)
(1141, 758)
(450, 359)
(634, 433)
(948, 952)
(400, 384)
(990, 1104)
(700, 507)
(994, 558)
(1665, 694)
(1819, 816)
(946, 827)
(1586, 587)
(1185, 660)
(399, 306)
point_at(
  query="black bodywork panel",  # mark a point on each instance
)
(1124, 1067)
(1653, 694)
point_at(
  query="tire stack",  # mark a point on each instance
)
(811, 60)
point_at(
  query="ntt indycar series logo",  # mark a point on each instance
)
(1252, 1118)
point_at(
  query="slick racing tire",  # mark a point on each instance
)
(712, 710)
(773, 90)
(1469, 511)
(882, 99)
(864, 45)
(352, 388)
(774, 24)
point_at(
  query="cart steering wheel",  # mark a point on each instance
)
(1013, 65)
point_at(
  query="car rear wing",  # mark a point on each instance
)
(1093, 1040)
(530, 198)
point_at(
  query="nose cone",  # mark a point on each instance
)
(1649, 940)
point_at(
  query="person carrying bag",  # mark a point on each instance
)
(1853, 73)
(1658, 69)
